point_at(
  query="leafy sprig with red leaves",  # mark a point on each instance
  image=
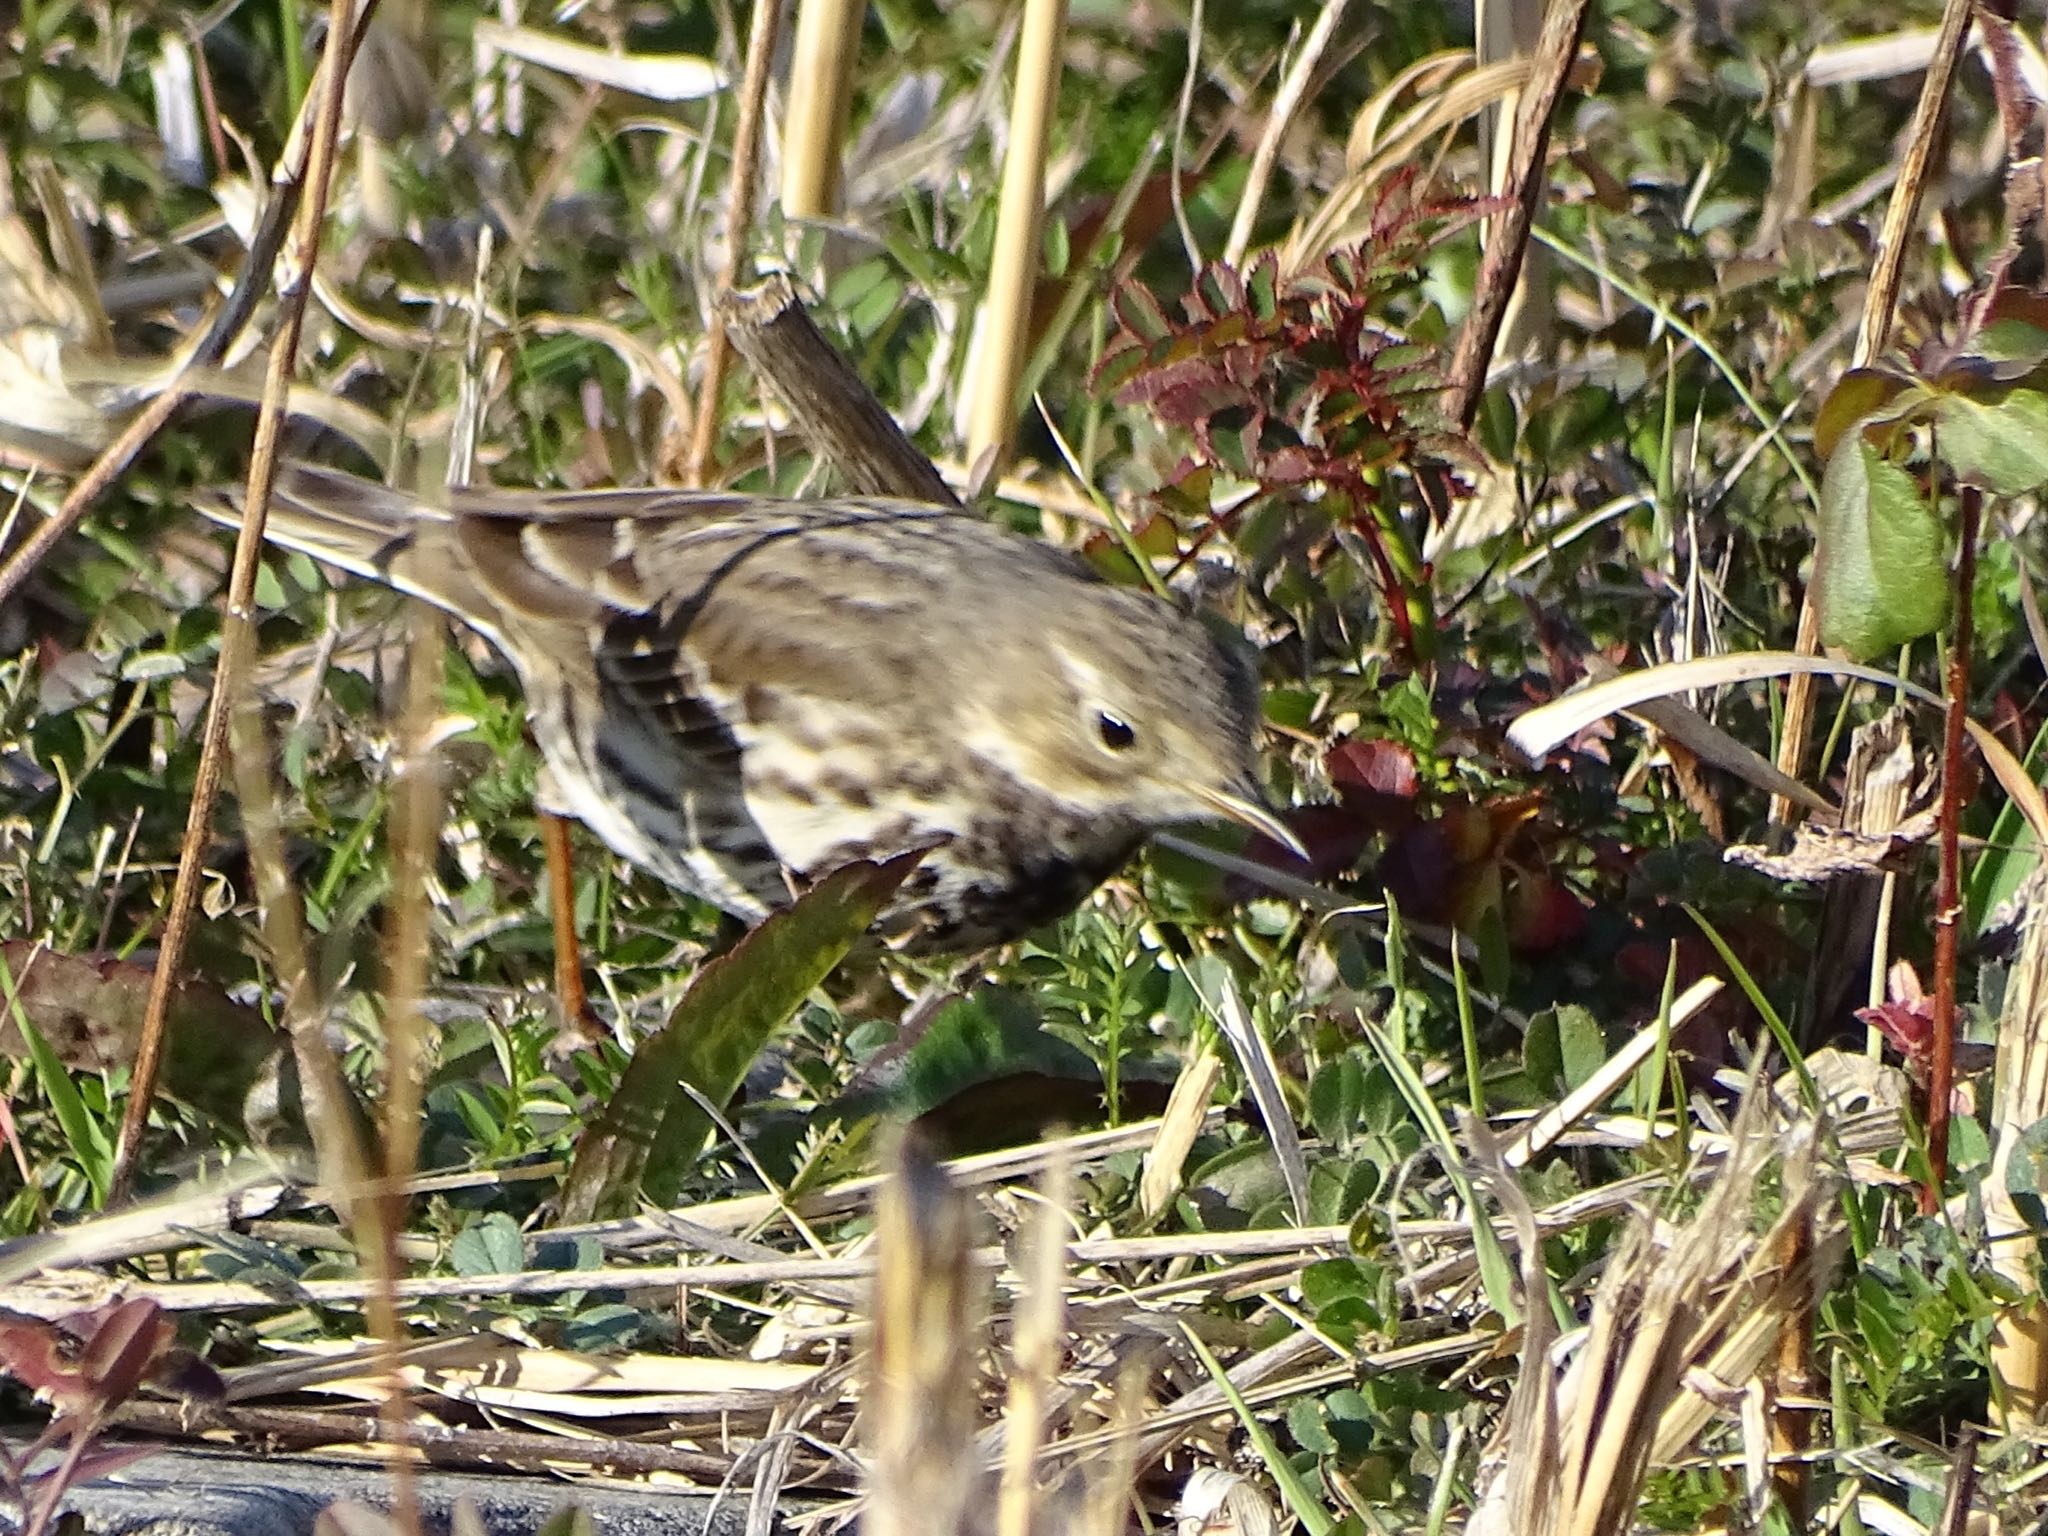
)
(1296, 382)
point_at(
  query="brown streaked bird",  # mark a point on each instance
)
(741, 694)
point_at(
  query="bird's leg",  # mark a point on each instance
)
(569, 992)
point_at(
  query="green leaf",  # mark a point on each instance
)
(1336, 1098)
(1581, 1044)
(1562, 431)
(1881, 569)
(85, 1136)
(651, 1130)
(1329, 1281)
(2001, 445)
(991, 1036)
(2015, 328)
(1305, 1423)
(490, 1245)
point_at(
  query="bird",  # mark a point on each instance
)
(740, 694)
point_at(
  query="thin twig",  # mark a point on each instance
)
(1287, 100)
(1549, 67)
(238, 632)
(1901, 218)
(739, 229)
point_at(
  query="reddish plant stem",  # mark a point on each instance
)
(1948, 897)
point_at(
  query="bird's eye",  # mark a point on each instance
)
(1116, 734)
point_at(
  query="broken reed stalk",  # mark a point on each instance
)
(1685, 1314)
(333, 1117)
(739, 229)
(1887, 276)
(238, 634)
(1001, 334)
(837, 413)
(415, 835)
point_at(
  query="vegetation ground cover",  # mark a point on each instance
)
(1234, 387)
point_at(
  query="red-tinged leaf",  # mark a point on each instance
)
(1375, 781)
(1908, 1028)
(2015, 328)
(1470, 834)
(1139, 313)
(1419, 872)
(44, 1358)
(1291, 466)
(1185, 388)
(124, 1343)
(1881, 571)
(1262, 287)
(1541, 914)
(1335, 840)
(1119, 365)
(1856, 396)
(1217, 292)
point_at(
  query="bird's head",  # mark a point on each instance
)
(1143, 715)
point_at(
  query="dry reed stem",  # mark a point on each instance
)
(1001, 340)
(1179, 1126)
(331, 1112)
(846, 426)
(332, 1117)
(1287, 100)
(1685, 1314)
(415, 837)
(238, 634)
(820, 97)
(1880, 303)
(739, 230)
(926, 1332)
(1504, 31)
(1039, 1327)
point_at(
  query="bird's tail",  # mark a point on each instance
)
(340, 520)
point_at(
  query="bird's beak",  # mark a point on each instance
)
(1249, 812)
